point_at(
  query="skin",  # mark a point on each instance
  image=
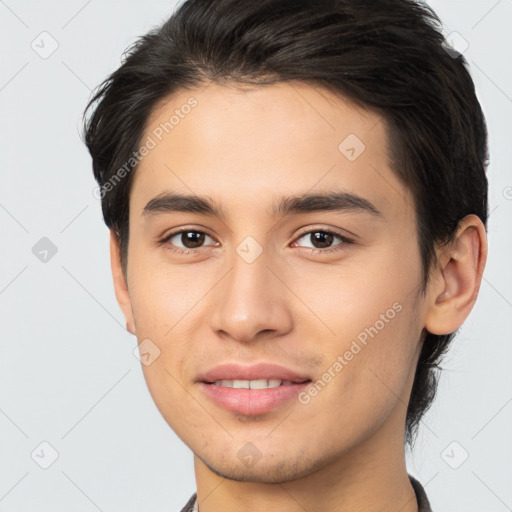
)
(344, 450)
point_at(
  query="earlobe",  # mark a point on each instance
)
(120, 285)
(455, 285)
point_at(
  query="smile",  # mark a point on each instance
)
(253, 384)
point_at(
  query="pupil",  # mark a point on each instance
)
(192, 237)
(323, 238)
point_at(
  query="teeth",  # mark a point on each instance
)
(259, 384)
(241, 384)
(253, 384)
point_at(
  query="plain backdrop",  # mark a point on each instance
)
(72, 394)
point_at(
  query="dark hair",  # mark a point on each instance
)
(386, 55)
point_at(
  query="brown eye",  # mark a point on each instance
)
(186, 239)
(323, 239)
(192, 239)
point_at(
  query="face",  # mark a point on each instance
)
(318, 296)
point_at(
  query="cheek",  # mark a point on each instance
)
(342, 301)
(162, 294)
(363, 383)
(375, 325)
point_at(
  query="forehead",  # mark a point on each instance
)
(248, 143)
(307, 111)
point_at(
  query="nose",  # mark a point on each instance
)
(253, 300)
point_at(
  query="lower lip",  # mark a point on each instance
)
(252, 401)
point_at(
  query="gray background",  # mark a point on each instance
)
(68, 374)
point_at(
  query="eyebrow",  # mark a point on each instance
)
(305, 203)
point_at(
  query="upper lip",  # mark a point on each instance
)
(257, 371)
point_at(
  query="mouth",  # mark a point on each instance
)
(256, 384)
(252, 390)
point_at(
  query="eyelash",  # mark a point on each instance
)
(344, 240)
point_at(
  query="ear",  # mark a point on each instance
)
(456, 280)
(120, 285)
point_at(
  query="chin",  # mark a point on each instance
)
(264, 471)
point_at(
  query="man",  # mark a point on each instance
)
(297, 200)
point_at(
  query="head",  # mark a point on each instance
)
(243, 102)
